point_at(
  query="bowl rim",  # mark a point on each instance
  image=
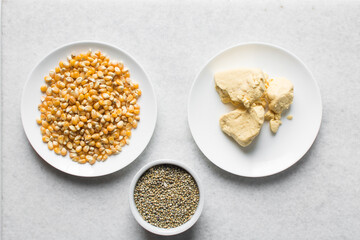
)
(164, 231)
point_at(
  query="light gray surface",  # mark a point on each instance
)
(319, 198)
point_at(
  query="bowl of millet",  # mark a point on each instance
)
(166, 197)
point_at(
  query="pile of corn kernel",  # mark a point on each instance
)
(89, 107)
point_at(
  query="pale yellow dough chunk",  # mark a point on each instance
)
(243, 124)
(280, 94)
(274, 125)
(240, 86)
(269, 115)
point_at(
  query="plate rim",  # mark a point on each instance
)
(254, 44)
(69, 45)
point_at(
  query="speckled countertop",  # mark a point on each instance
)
(318, 198)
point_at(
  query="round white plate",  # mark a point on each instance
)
(268, 154)
(140, 136)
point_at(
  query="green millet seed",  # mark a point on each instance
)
(166, 196)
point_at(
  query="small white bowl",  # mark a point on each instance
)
(164, 231)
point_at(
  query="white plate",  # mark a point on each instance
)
(140, 136)
(268, 154)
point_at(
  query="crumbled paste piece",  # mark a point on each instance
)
(290, 117)
(240, 86)
(243, 124)
(271, 115)
(280, 94)
(262, 101)
(274, 125)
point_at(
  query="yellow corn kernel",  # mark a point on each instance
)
(107, 117)
(69, 145)
(82, 161)
(45, 139)
(57, 150)
(63, 152)
(98, 144)
(88, 108)
(110, 127)
(72, 62)
(61, 139)
(95, 136)
(105, 131)
(50, 145)
(43, 88)
(45, 124)
(78, 149)
(128, 114)
(116, 135)
(135, 86)
(47, 79)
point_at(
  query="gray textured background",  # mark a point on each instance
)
(318, 198)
